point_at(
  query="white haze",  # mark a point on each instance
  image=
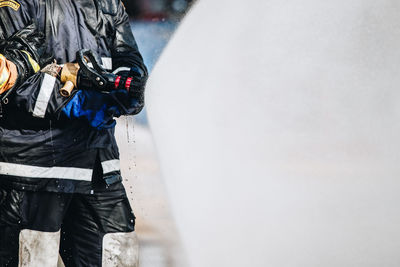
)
(277, 125)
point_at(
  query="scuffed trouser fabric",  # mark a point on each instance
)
(83, 219)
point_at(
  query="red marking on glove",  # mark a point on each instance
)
(128, 83)
(117, 80)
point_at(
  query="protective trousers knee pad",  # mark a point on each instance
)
(120, 249)
(38, 248)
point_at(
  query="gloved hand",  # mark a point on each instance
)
(126, 87)
(26, 49)
(128, 104)
(95, 107)
(133, 80)
(130, 90)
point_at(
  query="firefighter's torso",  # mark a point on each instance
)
(38, 150)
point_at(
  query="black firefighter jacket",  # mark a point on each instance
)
(39, 149)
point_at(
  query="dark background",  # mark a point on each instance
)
(157, 9)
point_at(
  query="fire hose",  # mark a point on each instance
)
(87, 73)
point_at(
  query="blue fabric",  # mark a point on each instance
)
(96, 107)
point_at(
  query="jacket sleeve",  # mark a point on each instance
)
(39, 95)
(32, 91)
(127, 60)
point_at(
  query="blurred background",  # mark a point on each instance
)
(157, 9)
(302, 171)
(153, 23)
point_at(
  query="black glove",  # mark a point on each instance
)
(133, 84)
(127, 88)
(26, 49)
(134, 81)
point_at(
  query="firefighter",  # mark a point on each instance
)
(59, 161)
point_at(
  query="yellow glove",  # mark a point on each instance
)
(8, 74)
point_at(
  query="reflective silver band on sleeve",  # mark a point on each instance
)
(110, 166)
(43, 99)
(21, 170)
(107, 63)
(121, 69)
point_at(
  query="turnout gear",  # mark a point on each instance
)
(81, 221)
(42, 146)
(57, 171)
